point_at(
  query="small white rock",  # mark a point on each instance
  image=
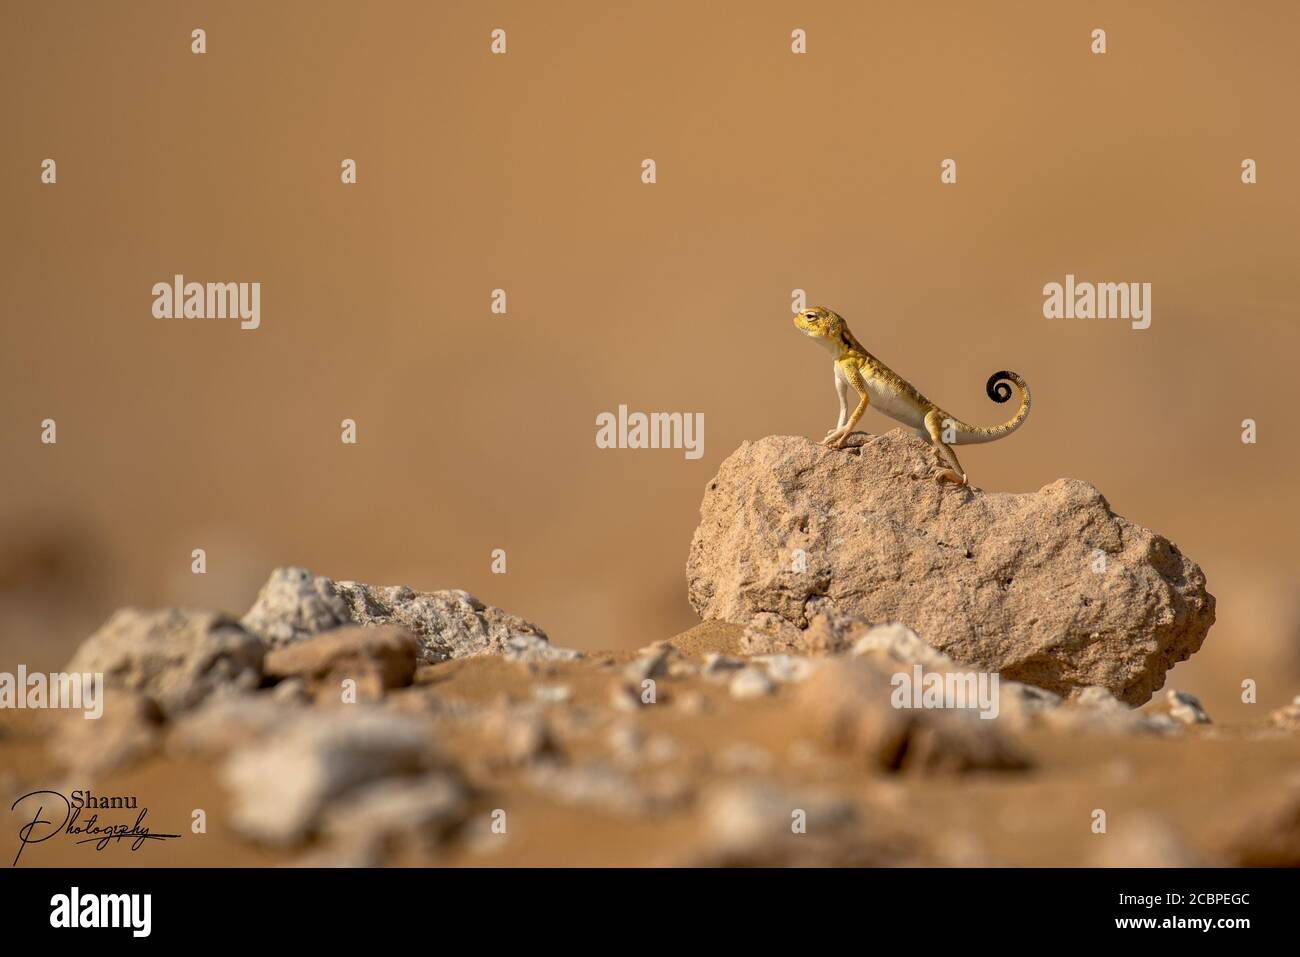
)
(552, 694)
(653, 664)
(751, 683)
(744, 757)
(902, 644)
(1186, 708)
(786, 668)
(716, 664)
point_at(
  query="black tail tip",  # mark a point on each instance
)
(999, 385)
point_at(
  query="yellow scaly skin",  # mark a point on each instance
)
(875, 383)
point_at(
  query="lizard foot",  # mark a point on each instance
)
(844, 439)
(839, 439)
(948, 475)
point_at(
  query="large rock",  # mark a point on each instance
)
(176, 658)
(295, 604)
(1050, 587)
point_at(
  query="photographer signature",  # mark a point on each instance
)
(91, 831)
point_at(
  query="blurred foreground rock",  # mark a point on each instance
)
(176, 658)
(849, 701)
(763, 744)
(283, 783)
(376, 658)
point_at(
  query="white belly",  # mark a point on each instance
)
(898, 409)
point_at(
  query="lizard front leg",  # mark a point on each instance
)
(841, 390)
(851, 377)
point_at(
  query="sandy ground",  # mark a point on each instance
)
(1181, 799)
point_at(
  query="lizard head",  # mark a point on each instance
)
(820, 323)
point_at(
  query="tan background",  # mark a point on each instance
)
(523, 171)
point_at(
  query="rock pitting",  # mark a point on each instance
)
(1050, 588)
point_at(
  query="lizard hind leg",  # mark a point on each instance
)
(934, 430)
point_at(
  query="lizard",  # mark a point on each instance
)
(874, 382)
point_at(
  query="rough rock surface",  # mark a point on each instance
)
(295, 604)
(1048, 587)
(176, 658)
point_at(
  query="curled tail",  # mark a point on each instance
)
(999, 391)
